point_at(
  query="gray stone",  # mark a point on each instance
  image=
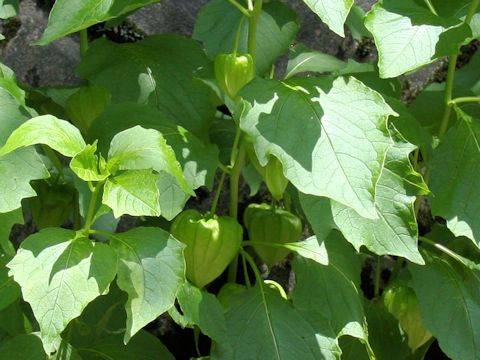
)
(40, 65)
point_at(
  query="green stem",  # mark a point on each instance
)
(237, 36)
(466, 99)
(263, 243)
(252, 28)
(83, 42)
(240, 7)
(253, 265)
(378, 272)
(452, 65)
(235, 180)
(213, 209)
(444, 249)
(92, 207)
(245, 273)
(431, 7)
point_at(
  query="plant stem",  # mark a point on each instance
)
(237, 36)
(431, 7)
(240, 7)
(452, 65)
(466, 99)
(378, 272)
(444, 249)
(92, 207)
(217, 193)
(245, 273)
(264, 243)
(253, 265)
(235, 180)
(252, 28)
(83, 42)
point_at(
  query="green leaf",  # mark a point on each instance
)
(310, 249)
(151, 271)
(326, 151)
(316, 283)
(60, 272)
(25, 347)
(409, 36)
(85, 105)
(198, 160)
(217, 25)
(139, 149)
(17, 170)
(395, 230)
(455, 169)
(58, 134)
(88, 166)
(9, 290)
(133, 192)
(203, 309)
(384, 334)
(8, 220)
(8, 9)
(263, 325)
(69, 16)
(332, 12)
(143, 346)
(457, 312)
(156, 71)
(302, 60)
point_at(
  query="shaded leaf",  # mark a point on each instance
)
(9, 289)
(8, 220)
(25, 347)
(218, 21)
(157, 71)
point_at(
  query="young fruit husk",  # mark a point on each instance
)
(271, 225)
(212, 243)
(276, 181)
(233, 72)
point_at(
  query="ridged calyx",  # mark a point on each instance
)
(233, 72)
(212, 243)
(265, 224)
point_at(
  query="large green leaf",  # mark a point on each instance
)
(203, 309)
(449, 299)
(134, 192)
(198, 160)
(25, 347)
(60, 272)
(409, 36)
(68, 16)
(263, 325)
(157, 71)
(58, 134)
(316, 283)
(151, 271)
(395, 230)
(455, 170)
(8, 220)
(326, 151)
(332, 12)
(139, 149)
(217, 25)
